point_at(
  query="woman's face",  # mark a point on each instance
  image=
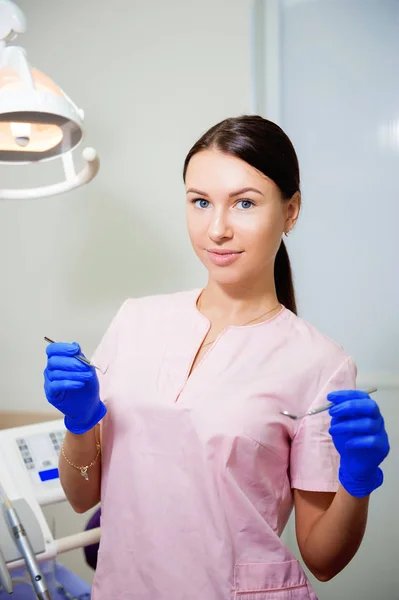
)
(235, 217)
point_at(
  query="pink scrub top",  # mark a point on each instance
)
(198, 472)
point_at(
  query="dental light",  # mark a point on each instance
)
(38, 121)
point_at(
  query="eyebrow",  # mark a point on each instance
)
(237, 193)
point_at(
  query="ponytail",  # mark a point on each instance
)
(283, 279)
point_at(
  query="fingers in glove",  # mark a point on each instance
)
(67, 363)
(63, 384)
(364, 407)
(63, 349)
(56, 391)
(60, 375)
(53, 388)
(355, 427)
(369, 442)
(344, 395)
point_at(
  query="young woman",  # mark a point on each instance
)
(198, 470)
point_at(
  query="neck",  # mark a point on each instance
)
(233, 301)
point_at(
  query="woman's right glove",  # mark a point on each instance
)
(72, 387)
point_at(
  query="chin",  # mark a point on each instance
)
(225, 276)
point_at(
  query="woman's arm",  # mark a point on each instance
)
(329, 528)
(81, 450)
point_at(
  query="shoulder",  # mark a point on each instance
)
(157, 305)
(314, 364)
(144, 318)
(315, 349)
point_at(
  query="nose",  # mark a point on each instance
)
(220, 228)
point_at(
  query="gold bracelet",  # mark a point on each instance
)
(83, 470)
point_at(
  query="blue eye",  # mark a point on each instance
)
(201, 203)
(245, 204)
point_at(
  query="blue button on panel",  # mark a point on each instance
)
(49, 474)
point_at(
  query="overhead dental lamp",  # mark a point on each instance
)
(38, 121)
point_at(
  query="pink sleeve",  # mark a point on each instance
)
(314, 461)
(104, 356)
(107, 349)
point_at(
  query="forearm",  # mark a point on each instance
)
(336, 536)
(80, 450)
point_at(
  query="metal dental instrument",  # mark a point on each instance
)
(315, 411)
(80, 357)
(23, 544)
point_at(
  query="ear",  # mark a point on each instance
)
(293, 208)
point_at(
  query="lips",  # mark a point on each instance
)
(223, 257)
(224, 251)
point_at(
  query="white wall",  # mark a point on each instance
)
(152, 76)
(337, 96)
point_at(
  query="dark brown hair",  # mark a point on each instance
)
(263, 145)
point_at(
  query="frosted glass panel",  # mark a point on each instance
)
(340, 105)
(338, 87)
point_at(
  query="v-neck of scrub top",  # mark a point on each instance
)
(185, 344)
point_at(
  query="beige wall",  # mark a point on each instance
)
(151, 75)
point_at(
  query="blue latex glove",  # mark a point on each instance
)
(358, 432)
(72, 387)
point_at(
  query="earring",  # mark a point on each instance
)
(287, 233)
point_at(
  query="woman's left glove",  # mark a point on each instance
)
(358, 432)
